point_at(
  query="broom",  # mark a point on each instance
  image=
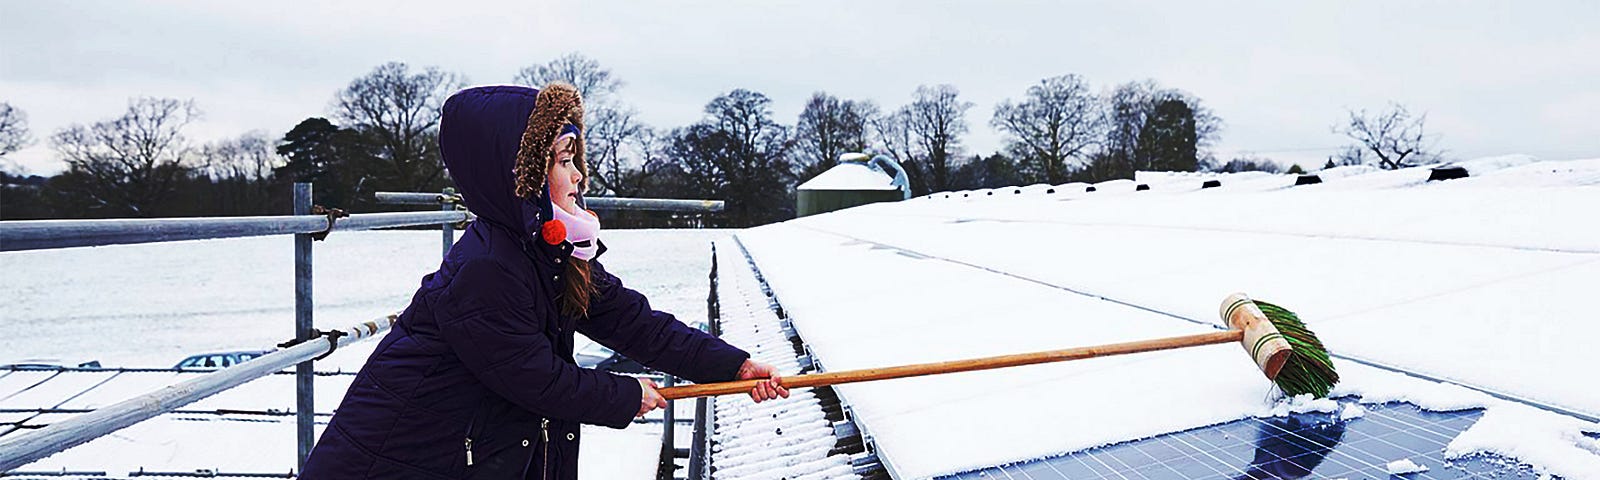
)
(1287, 352)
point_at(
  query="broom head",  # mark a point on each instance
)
(1281, 345)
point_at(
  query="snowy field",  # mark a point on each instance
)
(152, 305)
(1486, 283)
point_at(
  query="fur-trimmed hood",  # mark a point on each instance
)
(558, 106)
(495, 143)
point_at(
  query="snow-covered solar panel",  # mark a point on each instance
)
(1308, 445)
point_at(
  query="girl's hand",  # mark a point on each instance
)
(649, 399)
(767, 390)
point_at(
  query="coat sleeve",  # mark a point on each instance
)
(500, 338)
(622, 319)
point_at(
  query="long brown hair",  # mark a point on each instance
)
(577, 289)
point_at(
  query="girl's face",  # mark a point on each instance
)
(565, 180)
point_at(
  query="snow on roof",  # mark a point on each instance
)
(782, 438)
(1481, 283)
(850, 176)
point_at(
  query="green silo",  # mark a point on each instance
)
(856, 180)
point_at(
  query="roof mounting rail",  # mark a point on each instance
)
(1211, 184)
(863, 459)
(1446, 173)
(1307, 179)
(845, 430)
(1141, 187)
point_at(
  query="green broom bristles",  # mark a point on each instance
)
(1308, 370)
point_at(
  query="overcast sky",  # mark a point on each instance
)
(1494, 77)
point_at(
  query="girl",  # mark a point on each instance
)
(477, 380)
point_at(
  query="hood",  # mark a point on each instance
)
(479, 135)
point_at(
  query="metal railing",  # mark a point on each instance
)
(307, 224)
(23, 448)
(596, 203)
(699, 443)
(42, 234)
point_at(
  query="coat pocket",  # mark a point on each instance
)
(500, 450)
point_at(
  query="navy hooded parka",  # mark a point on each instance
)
(480, 365)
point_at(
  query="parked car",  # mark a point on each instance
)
(598, 357)
(213, 361)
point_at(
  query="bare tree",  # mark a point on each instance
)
(250, 157)
(891, 135)
(936, 119)
(1347, 155)
(1250, 163)
(13, 129)
(13, 136)
(130, 164)
(1133, 108)
(829, 127)
(593, 81)
(1393, 136)
(398, 112)
(739, 154)
(611, 124)
(1052, 128)
(648, 145)
(611, 131)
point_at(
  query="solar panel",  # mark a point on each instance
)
(1310, 445)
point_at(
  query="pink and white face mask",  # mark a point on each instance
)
(583, 230)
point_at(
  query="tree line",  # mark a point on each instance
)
(381, 134)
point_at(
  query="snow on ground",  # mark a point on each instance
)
(151, 305)
(1484, 282)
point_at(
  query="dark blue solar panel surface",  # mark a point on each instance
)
(1313, 445)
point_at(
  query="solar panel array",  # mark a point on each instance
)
(1306, 445)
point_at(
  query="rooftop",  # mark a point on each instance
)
(1457, 295)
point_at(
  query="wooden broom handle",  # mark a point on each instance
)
(986, 363)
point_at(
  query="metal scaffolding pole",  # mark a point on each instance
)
(416, 198)
(449, 229)
(597, 203)
(305, 405)
(41, 234)
(670, 205)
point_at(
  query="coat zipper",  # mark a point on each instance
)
(544, 431)
(471, 426)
